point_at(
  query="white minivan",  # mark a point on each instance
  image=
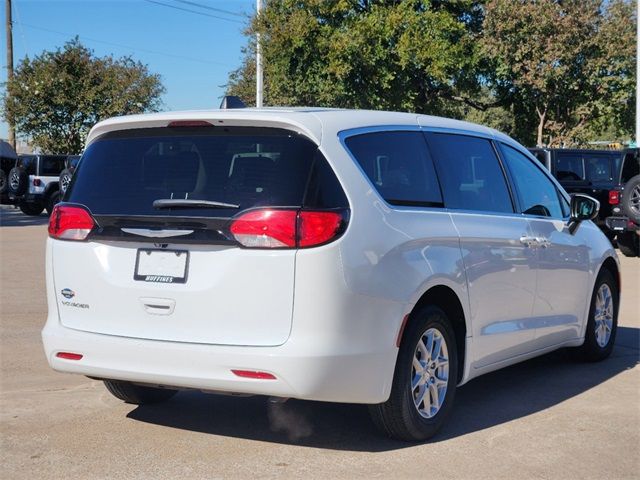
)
(335, 255)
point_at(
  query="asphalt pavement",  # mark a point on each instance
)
(551, 417)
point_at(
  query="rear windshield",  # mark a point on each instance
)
(51, 165)
(29, 163)
(123, 173)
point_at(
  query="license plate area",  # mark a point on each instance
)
(161, 266)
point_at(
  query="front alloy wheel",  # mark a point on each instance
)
(602, 322)
(603, 317)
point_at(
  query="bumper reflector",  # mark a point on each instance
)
(254, 374)
(69, 355)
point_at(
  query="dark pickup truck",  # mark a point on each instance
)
(591, 172)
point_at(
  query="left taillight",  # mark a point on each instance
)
(70, 223)
(614, 197)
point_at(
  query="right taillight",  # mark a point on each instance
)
(614, 197)
(273, 228)
(70, 223)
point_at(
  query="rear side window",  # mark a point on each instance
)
(399, 166)
(569, 167)
(540, 156)
(51, 166)
(598, 168)
(470, 173)
(122, 173)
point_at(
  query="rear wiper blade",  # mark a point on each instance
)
(190, 203)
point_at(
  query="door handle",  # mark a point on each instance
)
(158, 306)
(529, 241)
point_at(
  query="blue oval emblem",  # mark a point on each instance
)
(68, 293)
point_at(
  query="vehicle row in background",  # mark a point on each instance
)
(7, 161)
(610, 176)
(625, 202)
(37, 182)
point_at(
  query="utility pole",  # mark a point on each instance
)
(12, 132)
(259, 72)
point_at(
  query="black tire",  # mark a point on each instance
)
(136, 394)
(631, 199)
(18, 181)
(31, 209)
(398, 417)
(629, 244)
(53, 199)
(3, 182)
(65, 180)
(592, 350)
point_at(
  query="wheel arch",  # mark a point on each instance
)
(448, 300)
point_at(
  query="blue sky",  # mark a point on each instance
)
(193, 53)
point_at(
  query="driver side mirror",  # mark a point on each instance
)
(583, 208)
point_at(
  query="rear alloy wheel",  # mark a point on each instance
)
(602, 323)
(137, 394)
(629, 244)
(31, 209)
(425, 379)
(18, 181)
(65, 180)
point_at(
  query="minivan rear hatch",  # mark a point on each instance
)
(162, 262)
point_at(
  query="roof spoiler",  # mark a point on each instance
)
(231, 101)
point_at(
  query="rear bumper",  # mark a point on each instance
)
(621, 224)
(27, 198)
(301, 371)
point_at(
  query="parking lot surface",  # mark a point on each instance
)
(551, 417)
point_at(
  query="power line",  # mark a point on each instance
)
(135, 49)
(196, 12)
(214, 9)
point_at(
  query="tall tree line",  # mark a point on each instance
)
(548, 72)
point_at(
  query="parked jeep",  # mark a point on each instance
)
(7, 161)
(590, 172)
(625, 202)
(34, 182)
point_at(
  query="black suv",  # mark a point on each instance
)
(7, 161)
(591, 172)
(33, 182)
(625, 203)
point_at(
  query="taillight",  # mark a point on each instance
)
(70, 223)
(614, 197)
(266, 228)
(315, 228)
(37, 182)
(270, 228)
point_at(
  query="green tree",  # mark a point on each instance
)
(567, 66)
(58, 96)
(411, 55)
